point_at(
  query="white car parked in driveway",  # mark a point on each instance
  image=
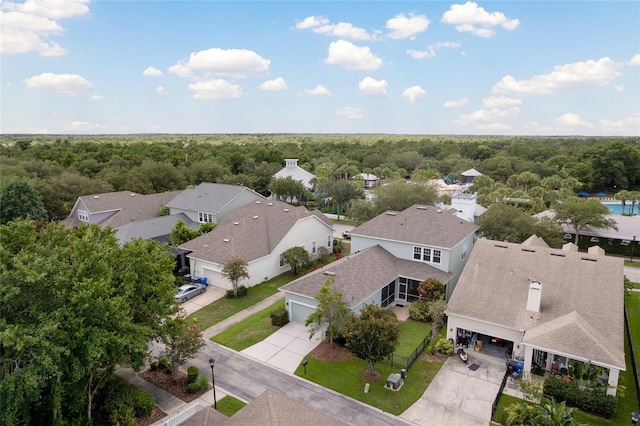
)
(188, 291)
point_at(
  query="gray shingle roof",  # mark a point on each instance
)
(208, 197)
(361, 274)
(252, 230)
(126, 206)
(153, 228)
(582, 297)
(427, 225)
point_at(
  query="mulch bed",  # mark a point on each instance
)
(326, 352)
(177, 387)
(156, 415)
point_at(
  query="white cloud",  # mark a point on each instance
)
(350, 113)
(352, 57)
(402, 26)
(275, 84)
(571, 120)
(413, 93)
(372, 87)
(70, 84)
(161, 90)
(227, 62)
(457, 104)
(95, 98)
(487, 115)
(318, 90)
(579, 74)
(499, 101)
(497, 126)
(630, 123)
(469, 17)
(27, 27)
(82, 125)
(618, 88)
(217, 89)
(311, 22)
(432, 50)
(635, 60)
(152, 72)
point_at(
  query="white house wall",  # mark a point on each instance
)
(457, 263)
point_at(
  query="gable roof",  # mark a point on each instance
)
(627, 226)
(253, 231)
(494, 287)
(362, 274)
(296, 172)
(471, 173)
(208, 197)
(125, 206)
(155, 228)
(418, 224)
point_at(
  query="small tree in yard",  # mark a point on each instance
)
(235, 269)
(296, 258)
(332, 311)
(431, 289)
(183, 340)
(372, 335)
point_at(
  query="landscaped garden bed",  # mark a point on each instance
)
(177, 386)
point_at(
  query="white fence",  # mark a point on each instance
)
(180, 416)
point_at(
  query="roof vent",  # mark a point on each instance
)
(286, 210)
(95, 197)
(258, 202)
(226, 240)
(528, 250)
(270, 204)
(421, 207)
(500, 246)
(558, 254)
(255, 217)
(236, 223)
(588, 259)
(132, 194)
(391, 213)
(438, 211)
(332, 273)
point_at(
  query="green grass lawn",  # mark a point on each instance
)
(230, 405)
(411, 334)
(636, 262)
(252, 330)
(223, 308)
(345, 377)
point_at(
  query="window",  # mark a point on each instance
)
(281, 260)
(437, 255)
(83, 215)
(205, 217)
(464, 251)
(329, 241)
(427, 254)
(388, 294)
(417, 253)
(313, 247)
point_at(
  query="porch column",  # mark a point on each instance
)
(613, 381)
(549, 361)
(528, 358)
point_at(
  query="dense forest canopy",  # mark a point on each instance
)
(63, 167)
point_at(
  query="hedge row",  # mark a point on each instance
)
(590, 401)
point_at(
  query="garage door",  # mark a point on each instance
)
(300, 313)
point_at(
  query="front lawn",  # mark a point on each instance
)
(223, 308)
(252, 330)
(412, 333)
(230, 405)
(345, 377)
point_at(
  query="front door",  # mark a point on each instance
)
(402, 290)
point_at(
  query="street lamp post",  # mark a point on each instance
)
(633, 244)
(213, 380)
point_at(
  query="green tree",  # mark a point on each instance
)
(75, 304)
(20, 200)
(181, 233)
(182, 340)
(579, 213)
(341, 192)
(522, 414)
(431, 289)
(296, 257)
(555, 414)
(331, 314)
(234, 270)
(505, 222)
(372, 335)
(287, 188)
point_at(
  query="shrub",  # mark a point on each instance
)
(124, 401)
(202, 383)
(279, 317)
(591, 401)
(323, 251)
(444, 346)
(192, 373)
(337, 246)
(242, 291)
(419, 311)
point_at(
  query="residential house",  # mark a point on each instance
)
(211, 202)
(467, 207)
(420, 233)
(291, 169)
(372, 275)
(548, 306)
(369, 180)
(258, 232)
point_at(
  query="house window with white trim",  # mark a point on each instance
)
(281, 260)
(83, 215)
(329, 241)
(427, 254)
(464, 251)
(313, 247)
(417, 253)
(205, 217)
(437, 256)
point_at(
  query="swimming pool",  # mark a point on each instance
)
(616, 207)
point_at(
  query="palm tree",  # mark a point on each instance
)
(554, 414)
(528, 179)
(634, 197)
(623, 196)
(522, 414)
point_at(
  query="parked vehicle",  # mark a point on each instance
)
(346, 235)
(188, 291)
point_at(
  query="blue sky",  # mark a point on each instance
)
(508, 68)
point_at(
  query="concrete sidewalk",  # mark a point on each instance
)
(167, 402)
(242, 315)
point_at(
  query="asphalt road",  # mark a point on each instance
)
(243, 377)
(632, 273)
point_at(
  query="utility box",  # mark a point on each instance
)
(394, 381)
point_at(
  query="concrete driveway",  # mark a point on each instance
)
(460, 395)
(285, 348)
(200, 301)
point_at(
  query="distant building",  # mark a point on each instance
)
(466, 207)
(296, 172)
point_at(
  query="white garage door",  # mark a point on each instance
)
(300, 313)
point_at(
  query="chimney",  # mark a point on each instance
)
(535, 294)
